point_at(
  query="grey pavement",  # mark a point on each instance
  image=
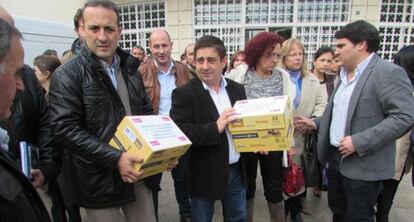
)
(402, 210)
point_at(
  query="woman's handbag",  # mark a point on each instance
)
(311, 167)
(292, 179)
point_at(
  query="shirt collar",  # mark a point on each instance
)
(114, 62)
(358, 70)
(168, 70)
(223, 84)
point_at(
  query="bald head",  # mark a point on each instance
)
(6, 16)
(161, 47)
(159, 33)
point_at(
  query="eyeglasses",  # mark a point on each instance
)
(272, 56)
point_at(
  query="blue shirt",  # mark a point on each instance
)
(167, 85)
(222, 101)
(341, 101)
(111, 70)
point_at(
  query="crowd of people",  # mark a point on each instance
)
(358, 106)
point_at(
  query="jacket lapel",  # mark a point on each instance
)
(357, 92)
(306, 81)
(206, 99)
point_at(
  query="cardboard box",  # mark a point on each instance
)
(263, 124)
(156, 139)
(256, 140)
(264, 113)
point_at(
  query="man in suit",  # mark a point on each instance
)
(202, 109)
(370, 109)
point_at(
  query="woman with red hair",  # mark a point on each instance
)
(261, 78)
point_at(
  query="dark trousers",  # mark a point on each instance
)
(271, 170)
(59, 208)
(348, 199)
(385, 199)
(293, 205)
(182, 193)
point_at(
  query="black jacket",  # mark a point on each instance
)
(29, 122)
(19, 201)
(85, 110)
(194, 111)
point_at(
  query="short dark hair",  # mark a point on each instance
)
(78, 16)
(322, 50)
(360, 31)
(138, 47)
(103, 3)
(405, 58)
(7, 32)
(50, 52)
(209, 41)
(46, 63)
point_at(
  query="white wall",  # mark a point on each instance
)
(39, 35)
(54, 10)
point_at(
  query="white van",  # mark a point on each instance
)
(39, 35)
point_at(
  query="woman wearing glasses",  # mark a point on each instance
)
(309, 101)
(261, 78)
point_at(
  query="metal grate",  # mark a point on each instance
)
(215, 12)
(323, 10)
(138, 20)
(313, 37)
(232, 37)
(395, 26)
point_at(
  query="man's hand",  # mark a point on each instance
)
(172, 165)
(262, 152)
(346, 147)
(126, 168)
(225, 118)
(303, 124)
(37, 178)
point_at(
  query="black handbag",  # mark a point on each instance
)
(311, 168)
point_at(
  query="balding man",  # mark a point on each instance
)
(189, 54)
(161, 76)
(19, 200)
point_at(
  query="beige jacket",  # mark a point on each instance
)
(312, 104)
(403, 158)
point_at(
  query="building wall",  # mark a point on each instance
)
(53, 10)
(368, 10)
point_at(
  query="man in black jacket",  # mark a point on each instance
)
(19, 200)
(89, 95)
(202, 109)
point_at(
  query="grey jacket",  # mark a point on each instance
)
(380, 111)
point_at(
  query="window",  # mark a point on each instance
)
(232, 37)
(138, 20)
(395, 26)
(313, 37)
(217, 12)
(323, 10)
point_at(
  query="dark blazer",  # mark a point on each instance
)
(194, 112)
(380, 111)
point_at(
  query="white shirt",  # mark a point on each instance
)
(341, 102)
(222, 101)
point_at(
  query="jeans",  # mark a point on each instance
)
(348, 199)
(234, 201)
(182, 194)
